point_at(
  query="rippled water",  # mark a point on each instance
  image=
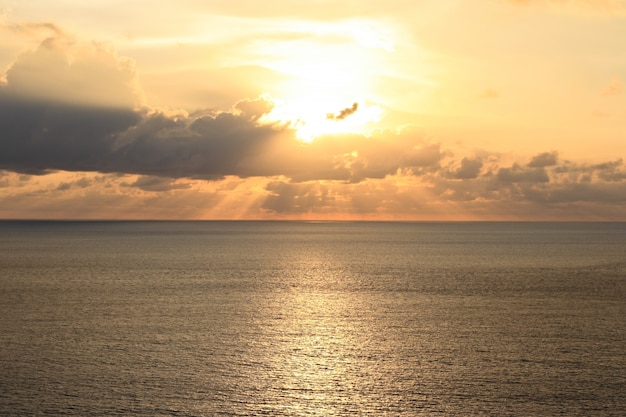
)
(312, 319)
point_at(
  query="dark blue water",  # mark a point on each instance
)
(312, 319)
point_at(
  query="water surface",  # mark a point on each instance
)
(312, 319)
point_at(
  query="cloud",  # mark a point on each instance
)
(574, 191)
(292, 198)
(36, 29)
(10, 179)
(377, 199)
(157, 184)
(83, 182)
(610, 171)
(198, 146)
(470, 168)
(77, 108)
(254, 109)
(614, 193)
(343, 113)
(354, 158)
(4, 180)
(518, 173)
(423, 156)
(500, 191)
(39, 136)
(63, 72)
(59, 195)
(576, 171)
(543, 160)
(542, 180)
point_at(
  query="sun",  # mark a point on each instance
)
(329, 78)
(312, 118)
(325, 98)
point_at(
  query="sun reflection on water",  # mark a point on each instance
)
(315, 343)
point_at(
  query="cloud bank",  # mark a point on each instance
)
(85, 115)
(75, 130)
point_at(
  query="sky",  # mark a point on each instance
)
(313, 109)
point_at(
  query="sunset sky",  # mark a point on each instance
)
(313, 109)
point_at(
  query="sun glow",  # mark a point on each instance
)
(319, 89)
(329, 75)
(312, 119)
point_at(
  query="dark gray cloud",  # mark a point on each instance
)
(290, 198)
(64, 186)
(81, 183)
(196, 147)
(517, 173)
(38, 136)
(566, 183)
(61, 113)
(470, 168)
(343, 113)
(95, 125)
(606, 171)
(157, 184)
(561, 193)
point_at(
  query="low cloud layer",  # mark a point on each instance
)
(483, 187)
(491, 189)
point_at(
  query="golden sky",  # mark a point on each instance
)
(313, 109)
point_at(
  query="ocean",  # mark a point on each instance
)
(312, 318)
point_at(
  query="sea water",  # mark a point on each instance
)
(312, 319)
